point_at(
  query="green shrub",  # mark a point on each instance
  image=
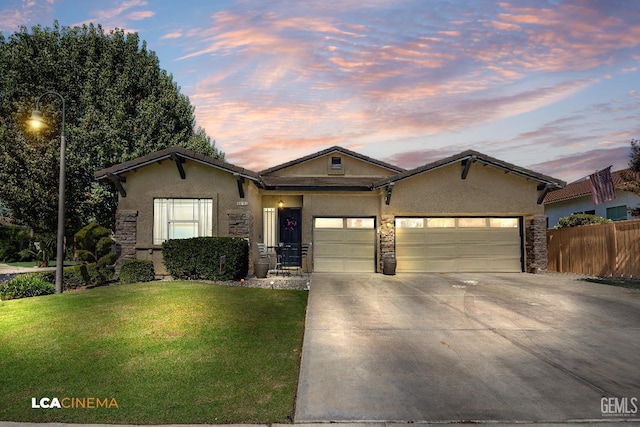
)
(104, 246)
(47, 276)
(108, 259)
(199, 258)
(24, 286)
(88, 237)
(85, 256)
(136, 270)
(78, 276)
(99, 275)
(576, 220)
(75, 277)
(25, 255)
(13, 240)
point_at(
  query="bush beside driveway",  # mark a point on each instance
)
(452, 347)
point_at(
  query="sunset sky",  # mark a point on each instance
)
(550, 85)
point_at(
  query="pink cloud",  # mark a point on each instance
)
(576, 166)
(290, 77)
(172, 35)
(143, 14)
(11, 18)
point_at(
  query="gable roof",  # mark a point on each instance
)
(334, 149)
(170, 153)
(264, 180)
(583, 188)
(474, 156)
(357, 183)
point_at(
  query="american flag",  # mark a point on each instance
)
(602, 189)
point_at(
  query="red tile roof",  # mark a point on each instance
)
(582, 187)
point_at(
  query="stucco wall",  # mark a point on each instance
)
(321, 166)
(162, 180)
(487, 190)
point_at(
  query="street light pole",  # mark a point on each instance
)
(36, 121)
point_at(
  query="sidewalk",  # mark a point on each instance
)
(585, 423)
(7, 271)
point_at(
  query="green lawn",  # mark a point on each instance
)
(52, 263)
(167, 352)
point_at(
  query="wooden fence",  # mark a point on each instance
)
(601, 250)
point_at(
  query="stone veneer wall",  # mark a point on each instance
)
(126, 235)
(387, 239)
(535, 243)
(241, 225)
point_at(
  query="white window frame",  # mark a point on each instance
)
(166, 219)
(269, 216)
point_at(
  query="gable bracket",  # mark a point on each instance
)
(240, 181)
(544, 189)
(467, 165)
(179, 160)
(387, 199)
(117, 181)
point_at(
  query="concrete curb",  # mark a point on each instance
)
(497, 423)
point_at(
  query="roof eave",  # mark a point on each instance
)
(166, 155)
(329, 150)
(476, 157)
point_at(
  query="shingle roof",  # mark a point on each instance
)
(329, 182)
(582, 188)
(166, 154)
(333, 149)
(478, 157)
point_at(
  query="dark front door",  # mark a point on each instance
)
(290, 221)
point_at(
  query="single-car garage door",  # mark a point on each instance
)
(344, 245)
(458, 244)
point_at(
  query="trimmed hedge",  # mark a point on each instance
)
(576, 220)
(78, 276)
(24, 286)
(199, 258)
(136, 270)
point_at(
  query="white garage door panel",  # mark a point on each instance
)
(344, 250)
(458, 249)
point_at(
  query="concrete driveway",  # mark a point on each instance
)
(479, 347)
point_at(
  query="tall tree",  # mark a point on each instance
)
(633, 180)
(119, 105)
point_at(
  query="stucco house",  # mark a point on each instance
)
(467, 212)
(576, 198)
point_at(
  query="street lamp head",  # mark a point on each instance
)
(36, 121)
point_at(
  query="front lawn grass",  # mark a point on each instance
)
(167, 352)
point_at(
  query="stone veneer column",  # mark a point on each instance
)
(536, 243)
(241, 225)
(387, 239)
(126, 236)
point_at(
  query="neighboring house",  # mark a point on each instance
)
(576, 198)
(468, 212)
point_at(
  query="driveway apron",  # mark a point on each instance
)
(468, 347)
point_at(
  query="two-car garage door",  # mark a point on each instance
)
(458, 244)
(427, 244)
